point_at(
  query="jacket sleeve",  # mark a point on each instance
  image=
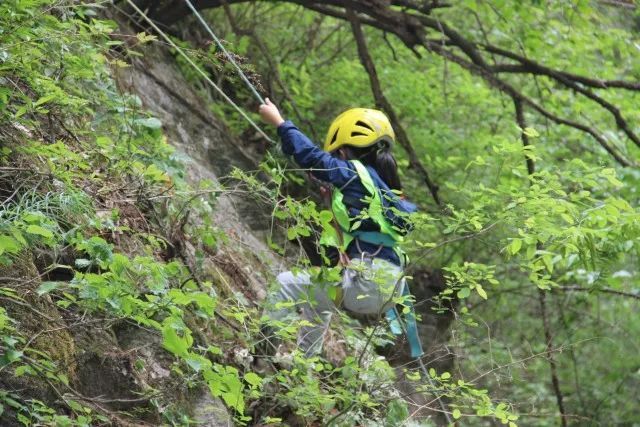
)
(323, 165)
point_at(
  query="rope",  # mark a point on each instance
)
(199, 70)
(442, 406)
(425, 372)
(225, 51)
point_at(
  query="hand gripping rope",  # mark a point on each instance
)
(202, 73)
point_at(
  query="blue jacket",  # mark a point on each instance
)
(342, 174)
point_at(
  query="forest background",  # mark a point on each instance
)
(517, 126)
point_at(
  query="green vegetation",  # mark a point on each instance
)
(103, 233)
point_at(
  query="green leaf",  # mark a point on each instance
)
(144, 37)
(75, 406)
(464, 293)
(19, 237)
(291, 233)
(22, 370)
(8, 244)
(332, 292)
(13, 355)
(515, 246)
(175, 343)
(205, 302)
(149, 122)
(456, 414)
(214, 350)
(197, 362)
(480, 290)
(44, 100)
(82, 263)
(253, 379)
(548, 262)
(40, 231)
(47, 287)
(325, 216)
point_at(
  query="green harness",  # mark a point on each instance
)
(387, 236)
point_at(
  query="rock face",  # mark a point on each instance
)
(120, 366)
(210, 152)
(201, 138)
(40, 320)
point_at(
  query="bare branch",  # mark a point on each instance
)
(529, 66)
(576, 288)
(517, 103)
(411, 25)
(626, 4)
(272, 65)
(385, 105)
(552, 362)
(567, 80)
(503, 86)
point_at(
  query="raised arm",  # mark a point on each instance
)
(323, 165)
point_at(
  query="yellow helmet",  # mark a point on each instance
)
(358, 127)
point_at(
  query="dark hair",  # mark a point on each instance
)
(380, 158)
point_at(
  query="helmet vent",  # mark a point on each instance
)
(335, 136)
(358, 134)
(364, 125)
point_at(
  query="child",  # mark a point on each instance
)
(369, 209)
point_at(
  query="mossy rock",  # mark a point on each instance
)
(38, 321)
(37, 317)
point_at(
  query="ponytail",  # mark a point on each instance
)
(380, 158)
(387, 167)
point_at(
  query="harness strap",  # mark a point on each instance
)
(373, 255)
(407, 324)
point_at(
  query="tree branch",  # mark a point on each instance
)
(517, 103)
(594, 83)
(576, 288)
(542, 296)
(385, 105)
(411, 25)
(272, 65)
(552, 362)
(568, 81)
(506, 88)
(421, 7)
